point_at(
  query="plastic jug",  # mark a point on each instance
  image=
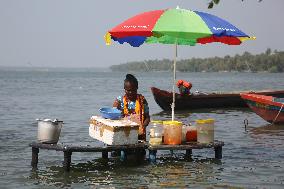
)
(156, 133)
(205, 130)
(172, 132)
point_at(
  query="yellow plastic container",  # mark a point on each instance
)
(205, 130)
(209, 121)
(172, 132)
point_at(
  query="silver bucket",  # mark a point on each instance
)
(49, 130)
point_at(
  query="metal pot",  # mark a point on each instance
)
(49, 130)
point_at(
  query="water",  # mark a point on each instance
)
(251, 159)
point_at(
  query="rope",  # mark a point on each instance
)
(277, 114)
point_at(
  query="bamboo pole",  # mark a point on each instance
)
(174, 82)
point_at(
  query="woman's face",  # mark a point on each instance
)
(130, 90)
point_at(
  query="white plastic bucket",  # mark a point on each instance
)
(49, 131)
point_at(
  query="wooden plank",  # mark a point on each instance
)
(57, 147)
(73, 148)
(68, 149)
(108, 148)
(187, 146)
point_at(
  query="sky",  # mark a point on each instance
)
(69, 33)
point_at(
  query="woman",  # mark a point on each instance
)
(133, 105)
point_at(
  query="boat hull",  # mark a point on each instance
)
(213, 100)
(265, 107)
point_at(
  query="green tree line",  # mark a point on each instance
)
(265, 62)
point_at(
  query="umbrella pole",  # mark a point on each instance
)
(174, 82)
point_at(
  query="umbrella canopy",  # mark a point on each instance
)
(178, 27)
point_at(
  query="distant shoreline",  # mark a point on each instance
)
(52, 69)
(268, 61)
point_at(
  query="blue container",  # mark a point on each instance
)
(110, 113)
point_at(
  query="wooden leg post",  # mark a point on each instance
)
(152, 156)
(218, 152)
(67, 160)
(172, 153)
(140, 155)
(188, 154)
(105, 155)
(34, 161)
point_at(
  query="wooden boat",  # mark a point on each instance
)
(206, 100)
(268, 107)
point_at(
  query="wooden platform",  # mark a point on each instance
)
(69, 149)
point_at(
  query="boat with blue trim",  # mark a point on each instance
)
(269, 108)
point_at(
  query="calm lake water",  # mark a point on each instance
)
(252, 158)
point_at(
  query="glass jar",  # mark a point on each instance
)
(191, 134)
(156, 133)
(172, 132)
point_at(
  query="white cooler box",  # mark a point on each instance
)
(113, 132)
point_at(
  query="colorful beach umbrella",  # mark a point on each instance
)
(178, 27)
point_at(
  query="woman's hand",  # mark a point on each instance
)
(133, 117)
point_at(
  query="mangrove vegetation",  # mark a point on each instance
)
(269, 61)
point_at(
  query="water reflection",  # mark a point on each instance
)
(268, 135)
(184, 113)
(178, 174)
(94, 172)
(174, 171)
(268, 129)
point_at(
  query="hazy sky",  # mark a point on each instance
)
(69, 33)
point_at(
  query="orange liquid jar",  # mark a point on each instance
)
(172, 132)
(191, 134)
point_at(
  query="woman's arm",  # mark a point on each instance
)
(146, 114)
(117, 103)
(146, 119)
